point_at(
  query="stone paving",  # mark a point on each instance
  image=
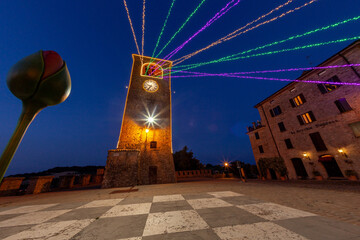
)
(196, 210)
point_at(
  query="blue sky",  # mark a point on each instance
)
(210, 115)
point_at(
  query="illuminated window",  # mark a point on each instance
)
(152, 70)
(298, 100)
(306, 118)
(325, 88)
(275, 111)
(343, 105)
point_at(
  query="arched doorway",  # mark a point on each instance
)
(272, 174)
(330, 165)
(299, 168)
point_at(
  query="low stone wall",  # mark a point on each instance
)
(39, 184)
(193, 173)
(10, 185)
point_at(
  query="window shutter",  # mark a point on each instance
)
(318, 141)
(279, 109)
(302, 98)
(292, 102)
(312, 116)
(322, 88)
(301, 121)
(335, 79)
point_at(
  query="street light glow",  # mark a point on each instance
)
(147, 130)
(150, 120)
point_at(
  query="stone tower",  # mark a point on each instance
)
(144, 150)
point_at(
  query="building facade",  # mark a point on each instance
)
(314, 128)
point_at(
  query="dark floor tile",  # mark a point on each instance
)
(134, 200)
(241, 200)
(82, 213)
(319, 228)
(9, 231)
(170, 206)
(114, 228)
(197, 196)
(227, 216)
(207, 234)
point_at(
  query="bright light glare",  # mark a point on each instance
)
(147, 130)
(150, 120)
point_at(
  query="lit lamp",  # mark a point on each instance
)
(306, 155)
(147, 130)
(226, 164)
(340, 150)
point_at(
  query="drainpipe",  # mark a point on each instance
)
(348, 62)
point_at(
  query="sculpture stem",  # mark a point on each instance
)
(29, 111)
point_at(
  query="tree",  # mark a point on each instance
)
(184, 160)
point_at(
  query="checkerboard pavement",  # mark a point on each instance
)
(212, 215)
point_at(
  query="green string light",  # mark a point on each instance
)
(271, 44)
(161, 33)
(182, 26)
(272, 52)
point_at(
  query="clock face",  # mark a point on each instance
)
(151, 86)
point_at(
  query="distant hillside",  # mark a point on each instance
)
(80, 170)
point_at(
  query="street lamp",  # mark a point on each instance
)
(340, 150)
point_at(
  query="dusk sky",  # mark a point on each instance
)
(210, 114)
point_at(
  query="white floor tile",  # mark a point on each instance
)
(225, 194)
(133, 238)
(53, 231)
(272, 211)
(208, 203)
(32, 218)
(257, 231)
(102, 203)
(27, 209)
(172, 222)
(168, 198)
(128, 210)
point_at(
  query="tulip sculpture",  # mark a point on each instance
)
(39, 80)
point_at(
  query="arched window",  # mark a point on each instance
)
(152, 70)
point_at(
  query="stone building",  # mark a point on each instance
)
(314, 128)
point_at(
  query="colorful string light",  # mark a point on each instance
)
(217, 16)
(288, 39)
(143, 33)
(182, 26)
(273, 79)
(131, 25)
(236, 33)
(272, 52)
(277, 70)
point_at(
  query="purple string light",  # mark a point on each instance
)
(270, 79)
(280, 70)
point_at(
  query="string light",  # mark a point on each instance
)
(217, 16)
(143, 33)
(272, 79)
(182, 26)
(277, 70)
(235, 34)
(288, 39)
(272, 52)
(161, 33)
(131, 25)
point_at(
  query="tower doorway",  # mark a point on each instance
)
(331, 166)
(272, 174)
(299, 168)
(152, 174)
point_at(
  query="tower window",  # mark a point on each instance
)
(306, 118)
(298, 100)
(152, 70)
(153, 144)
(325, 88)
(257, 135)
(343, 105)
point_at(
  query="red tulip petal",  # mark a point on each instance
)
(53, 63)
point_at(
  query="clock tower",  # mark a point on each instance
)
(144, 150)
